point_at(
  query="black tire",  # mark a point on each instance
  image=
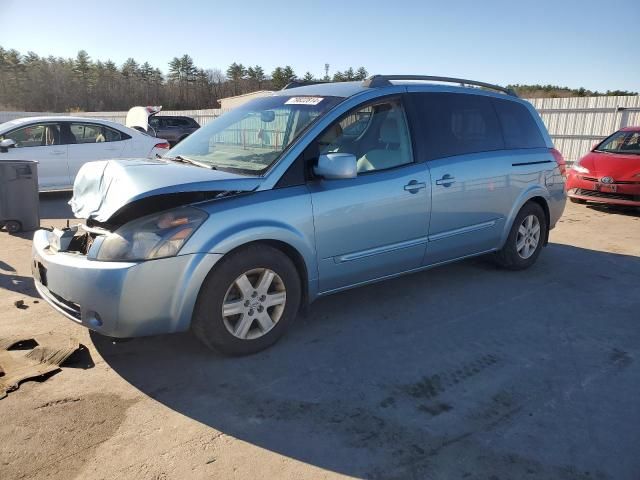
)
(509, 257)
(208, 323)
(12, 226)
(577, 200)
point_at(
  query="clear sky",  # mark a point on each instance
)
(588, 43)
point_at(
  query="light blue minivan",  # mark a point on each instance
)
(306, 192)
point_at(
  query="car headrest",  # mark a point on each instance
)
(332, 134)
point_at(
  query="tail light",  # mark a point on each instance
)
(562, 166)
(167, 146)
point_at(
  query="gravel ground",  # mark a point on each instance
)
(465, 371)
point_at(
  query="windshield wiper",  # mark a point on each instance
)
(181, 159)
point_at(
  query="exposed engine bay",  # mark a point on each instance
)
(79, 238)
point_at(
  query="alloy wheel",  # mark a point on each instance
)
(528, 236)
(254, 303)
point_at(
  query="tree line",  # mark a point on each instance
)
(54, 84)
(554, 91)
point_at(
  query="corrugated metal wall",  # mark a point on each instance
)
(575, 124)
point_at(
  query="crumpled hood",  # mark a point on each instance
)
(104, 187)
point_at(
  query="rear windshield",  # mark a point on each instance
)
(621, 142)
(253, 136)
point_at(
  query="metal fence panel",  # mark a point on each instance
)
(577, 123)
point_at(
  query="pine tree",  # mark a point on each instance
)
(282, 76)
(236, 73)
(361, 73)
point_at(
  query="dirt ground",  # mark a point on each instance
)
(465, 371)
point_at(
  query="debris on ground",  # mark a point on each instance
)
(45, 354)
(20, 304)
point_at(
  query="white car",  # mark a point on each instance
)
(63, 144)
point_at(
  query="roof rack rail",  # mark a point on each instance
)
(385, 81)
(301, 83)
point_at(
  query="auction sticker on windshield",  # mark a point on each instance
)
(304, 101)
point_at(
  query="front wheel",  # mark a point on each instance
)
(525, 239)
(247, 302)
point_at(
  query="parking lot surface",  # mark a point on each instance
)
(464, 371)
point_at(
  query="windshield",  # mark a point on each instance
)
(621, 142)
(253, 136)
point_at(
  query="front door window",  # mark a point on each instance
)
(38, 135)
(377, 135)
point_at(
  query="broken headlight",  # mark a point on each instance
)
(158, 235)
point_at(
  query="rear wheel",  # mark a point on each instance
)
(247, 302)
(525, 239)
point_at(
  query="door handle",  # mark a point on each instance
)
(413, 186)
(58, 152)
(446, 181)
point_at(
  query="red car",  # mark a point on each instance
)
(610, 173)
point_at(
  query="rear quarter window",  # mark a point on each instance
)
(518, 126)
(457, 124)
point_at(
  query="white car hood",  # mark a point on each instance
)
(102, 188)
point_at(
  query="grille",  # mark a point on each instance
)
(613, 196)
(617, 182)
(626, 182)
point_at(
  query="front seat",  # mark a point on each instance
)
(394, 152)
(52, 135)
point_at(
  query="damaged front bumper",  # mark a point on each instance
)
(120, 299)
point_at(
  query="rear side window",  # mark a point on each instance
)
(176, 122)
(457, 124)
(518, 127)
(93, 133)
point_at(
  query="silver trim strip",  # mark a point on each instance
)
(399, 274)
(459, 231)
(378, 250)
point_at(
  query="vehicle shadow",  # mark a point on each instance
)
(446, 374)
(10, 280)
(616, 209)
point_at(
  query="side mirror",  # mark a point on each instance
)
(6, 144)
(334, 166)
